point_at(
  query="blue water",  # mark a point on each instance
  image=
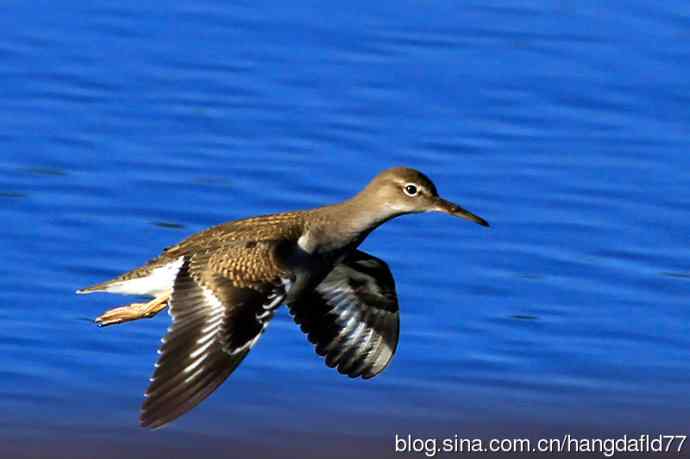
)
(126, 126)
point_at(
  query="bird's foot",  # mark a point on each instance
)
(134, 311)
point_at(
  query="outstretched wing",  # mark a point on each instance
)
(352, 316)
(215, 325)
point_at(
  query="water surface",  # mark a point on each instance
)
(126, 126)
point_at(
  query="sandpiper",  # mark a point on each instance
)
(223, 286)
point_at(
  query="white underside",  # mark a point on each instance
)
(160, 280)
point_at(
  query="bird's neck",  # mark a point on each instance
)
(343, 226)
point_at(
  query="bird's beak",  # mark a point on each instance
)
(455, 210)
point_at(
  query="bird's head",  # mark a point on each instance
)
(402, 190)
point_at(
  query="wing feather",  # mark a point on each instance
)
(352, 316)
(215, 325)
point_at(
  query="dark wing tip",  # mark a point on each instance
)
(178, 395)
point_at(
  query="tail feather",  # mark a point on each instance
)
(151, 279)
(100, 287)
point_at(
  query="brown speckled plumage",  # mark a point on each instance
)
(226, 282)
(244, 251)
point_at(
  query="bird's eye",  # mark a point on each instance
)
(411, 189)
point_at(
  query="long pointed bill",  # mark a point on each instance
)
(455, 210)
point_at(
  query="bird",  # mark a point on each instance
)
(223, 285)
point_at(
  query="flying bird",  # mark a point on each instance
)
(224, 284)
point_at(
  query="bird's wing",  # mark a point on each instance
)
(352, 316)
(215, 324)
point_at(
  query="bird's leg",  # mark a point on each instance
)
(133, 311)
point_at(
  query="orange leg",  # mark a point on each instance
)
(133, 311)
